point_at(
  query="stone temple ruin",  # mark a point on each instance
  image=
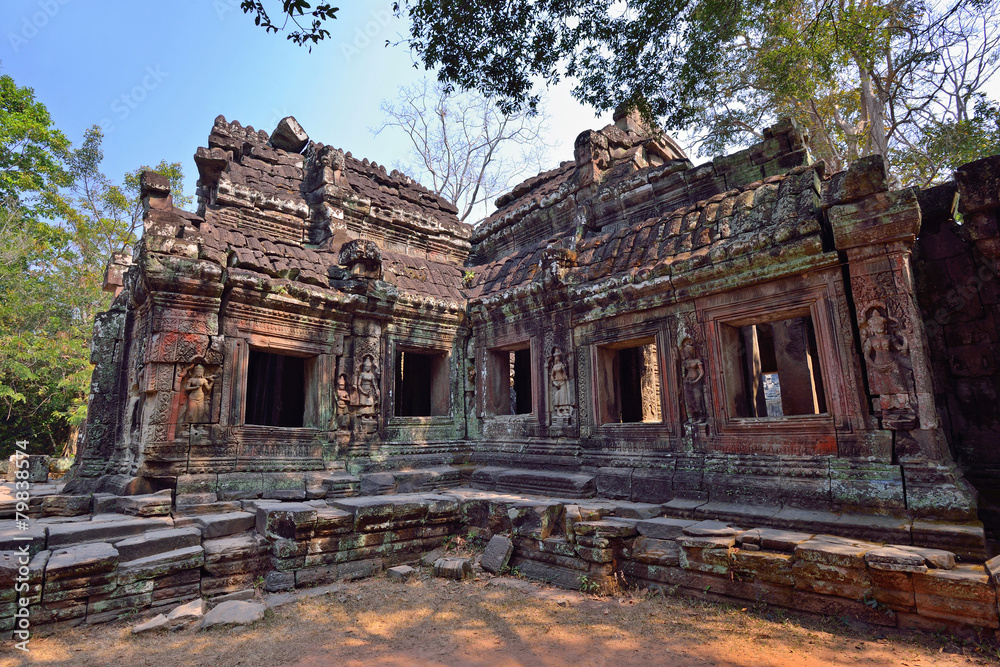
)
(749, 376)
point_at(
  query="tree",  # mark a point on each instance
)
(864, 76)
(32, 152)
(59, 223)
(462, 146)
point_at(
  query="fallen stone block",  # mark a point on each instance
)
(400, 573)
(233, 612)
(156, 624)
(186, 613)
(497, 555)
(431, 556)
(453, 568)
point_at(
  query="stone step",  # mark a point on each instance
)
(541, 482)
(421, 480)
(103, 528)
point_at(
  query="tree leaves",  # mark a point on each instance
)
(59, 223)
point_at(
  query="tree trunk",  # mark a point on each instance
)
(873, 115)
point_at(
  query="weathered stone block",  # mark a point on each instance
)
(834, 551)
(766, 566)
(81, 561)
(878, 218)
(294, 521)
(773, 539)
(655, 551)
(289, 136)
(157, 541)
(962, 595)
(383, 512)
(65, 505)
(161, 565)
(607, 528)
(400, 573)
(279, 581)
(220, 525)
(240, 485)
(497, 554)
(536, 520)
(100, 530)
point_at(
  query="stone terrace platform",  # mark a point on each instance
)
(93, 560)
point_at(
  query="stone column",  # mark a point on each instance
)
(876, 230)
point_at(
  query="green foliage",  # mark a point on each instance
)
(59, 223)
(893, 77)
(32, 152)
(293, 11)
(947, 145)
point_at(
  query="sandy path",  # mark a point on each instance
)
(430, 622)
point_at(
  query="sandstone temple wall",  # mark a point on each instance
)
(752, 331)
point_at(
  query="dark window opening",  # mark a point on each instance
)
(276, 390)
(520, 382)
(779, 372)
(421, 384)
(630, 384)
(509, 387)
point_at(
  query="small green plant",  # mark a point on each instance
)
(258, 583)
(588, 585)
(468, 277)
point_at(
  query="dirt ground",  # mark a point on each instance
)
(478, 622)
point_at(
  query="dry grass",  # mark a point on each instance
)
(433, 622)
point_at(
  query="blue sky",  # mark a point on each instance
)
(155, 76)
